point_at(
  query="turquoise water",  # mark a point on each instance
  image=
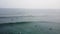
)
(30, 28)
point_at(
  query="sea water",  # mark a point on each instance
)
(28, 25)
(38, 22)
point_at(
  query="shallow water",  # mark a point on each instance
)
(30, 28)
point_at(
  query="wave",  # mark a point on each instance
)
(26, 22)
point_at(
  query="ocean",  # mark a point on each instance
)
(29, 21)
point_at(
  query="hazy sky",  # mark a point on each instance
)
(30, 4)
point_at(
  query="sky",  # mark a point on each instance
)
(30, 4)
